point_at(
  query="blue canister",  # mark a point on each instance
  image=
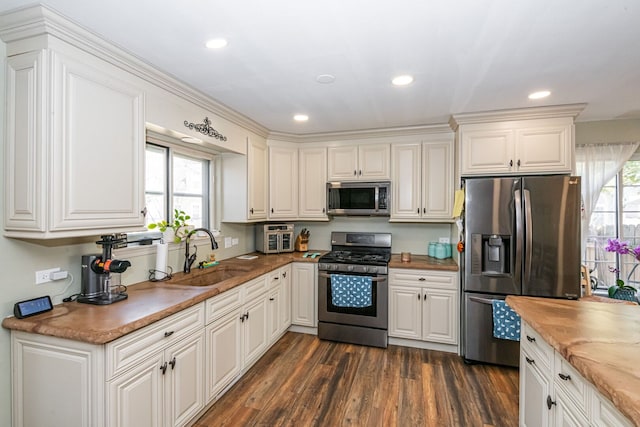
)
(448, 250)
(432, 249)
(441, 251)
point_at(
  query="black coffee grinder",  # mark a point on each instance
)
(101, 274)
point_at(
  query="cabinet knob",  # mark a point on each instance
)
(173, 363)
(418, 210)
(424, 210)
(564, 377)
(422, 279)
(144, 211)
(511, 163)
(163, 368)
(529, 361)
(168, 334)
(284, 274)
(271, 210)
(271, 299)
(251, 210)
(518, 163)
(419, 297)
(425, 297)
(550, 402)
(531, 339)
(355, 172)
(360, 172)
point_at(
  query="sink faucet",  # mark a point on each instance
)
(190, 259)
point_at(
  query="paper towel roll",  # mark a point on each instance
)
(161, 261)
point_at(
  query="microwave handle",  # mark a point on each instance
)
(377, 199)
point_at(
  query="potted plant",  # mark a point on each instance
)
(178, 227)
(621, 290)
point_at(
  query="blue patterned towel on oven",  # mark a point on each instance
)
(351, 291)
(506, 322)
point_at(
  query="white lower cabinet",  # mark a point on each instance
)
(423, 305)
(304, 290)
(553, 393)
(166, 389)
(279, 302)
(224, 357)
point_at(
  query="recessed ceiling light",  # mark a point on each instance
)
(402, 80)
(539, 95)
(326, 78)
(216, 43)
(300, 117)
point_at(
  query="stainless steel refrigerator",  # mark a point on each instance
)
(522, 237)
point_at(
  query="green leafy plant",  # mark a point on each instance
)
(179, 225)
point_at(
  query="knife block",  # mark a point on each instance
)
(301, 244)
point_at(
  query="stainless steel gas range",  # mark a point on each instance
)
(353, 289)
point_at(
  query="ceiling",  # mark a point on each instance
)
(465, 55)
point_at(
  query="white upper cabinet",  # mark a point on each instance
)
(370, 162)
(283, 182)
(245, 181)
(527, 141)
(74, 161)
(313, 177)
(422, 179)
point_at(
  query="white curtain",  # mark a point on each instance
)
(597, 164)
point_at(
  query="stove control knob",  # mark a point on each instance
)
(333, 267)
(349, 267)
(371, 269)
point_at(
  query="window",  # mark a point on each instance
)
(617, 215)
(177, 179)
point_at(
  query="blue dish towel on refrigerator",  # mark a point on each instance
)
(351, 291)
(506, 322)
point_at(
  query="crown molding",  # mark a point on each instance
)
(546, 112)
(361, 134)
(40, 20)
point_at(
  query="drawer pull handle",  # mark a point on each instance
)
(529, 361)
(242, 318)
(173, 363)
(531, 339)
(550, 402)
(271, 299)
(422, 279)
(163, 368)
(168, 334)
(564, 377)
(284, 274)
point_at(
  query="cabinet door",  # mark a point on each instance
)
(407, 188)
(566, 413)
(283, 182)
(136, 398)
(487, 151)
(544, 149)
(343, 163)
(274, 313)
(304, 295)
(184, 380)
(87, 91)
(439, 316)
(224, 358)
(24, 164)
(405, 310)
(255, 331)
(535, 387)
(285, 297)
(313, 178)
(257, 177)
(437, 180)
(374, 161)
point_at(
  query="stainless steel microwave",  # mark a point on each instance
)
(359, 198)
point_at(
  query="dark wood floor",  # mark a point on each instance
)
(303, 381)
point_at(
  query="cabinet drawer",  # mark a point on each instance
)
(428, 278)
(538, 349)
(256, 287)
(604, 414)
(571, 382)
(139, 345)
(218, 306)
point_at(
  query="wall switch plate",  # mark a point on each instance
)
(235, 241)
(44, 276)
(444, 240)
(227, 242)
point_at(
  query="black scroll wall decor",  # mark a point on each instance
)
(205, 128)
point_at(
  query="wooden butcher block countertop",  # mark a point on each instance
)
(602, 341)
(148, 302)
(423, 262)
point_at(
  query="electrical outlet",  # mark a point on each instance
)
(44, 276)
(227, 242)
(444, 240)
(235, 241)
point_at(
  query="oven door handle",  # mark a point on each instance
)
(373, 279)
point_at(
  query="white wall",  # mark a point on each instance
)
(627, 130)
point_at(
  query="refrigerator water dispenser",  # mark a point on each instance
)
(491, 254)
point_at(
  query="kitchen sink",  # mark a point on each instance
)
(210, 276)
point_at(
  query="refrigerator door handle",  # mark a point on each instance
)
(528, 235)
(517, 196)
